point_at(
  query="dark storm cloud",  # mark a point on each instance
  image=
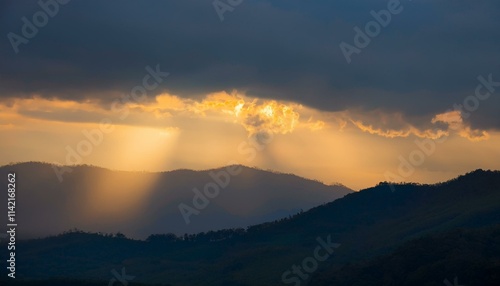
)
(424, 61)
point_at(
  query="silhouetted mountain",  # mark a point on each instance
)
(470, 256)
(140, 203)
(367, 224)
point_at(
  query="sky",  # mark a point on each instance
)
(353, 92)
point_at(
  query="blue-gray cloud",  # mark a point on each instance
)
(424, 61)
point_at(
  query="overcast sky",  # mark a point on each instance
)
(426, 59)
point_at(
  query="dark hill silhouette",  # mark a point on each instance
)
(141, 203)
(367, 224)
(470, 256)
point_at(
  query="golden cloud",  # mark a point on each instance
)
(255, 115)
(393, 133)
(394, 125)
(455, 122)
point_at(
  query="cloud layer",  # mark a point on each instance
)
(426, 60)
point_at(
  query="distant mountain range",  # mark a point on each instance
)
(140, 203)
(414, 235)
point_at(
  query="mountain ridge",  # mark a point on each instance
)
(367, 224)
(141, 203)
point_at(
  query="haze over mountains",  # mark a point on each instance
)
(139, 204)
(369, 225)
(116, 92)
